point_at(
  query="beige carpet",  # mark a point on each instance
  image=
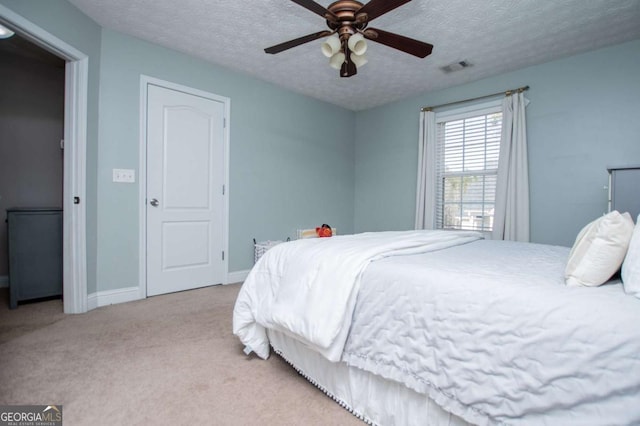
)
(166, 360)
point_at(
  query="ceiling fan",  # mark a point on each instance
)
(347, 21)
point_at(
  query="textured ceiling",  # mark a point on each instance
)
(495, 36)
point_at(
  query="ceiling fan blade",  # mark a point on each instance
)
(296, 42)
(405, 44)
(317, 9)
(376, 8)
(348, 68)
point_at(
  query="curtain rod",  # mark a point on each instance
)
(506, 93)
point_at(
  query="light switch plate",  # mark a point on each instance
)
(124, 175)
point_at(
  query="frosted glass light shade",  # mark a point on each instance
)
(331, 46)
(359, 60)
(337, 60)
(5, 32)
(357, 44)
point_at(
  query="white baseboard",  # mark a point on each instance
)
(92, 301)
(237, 276)
(112, 297)
(4, 281)
(129, 294)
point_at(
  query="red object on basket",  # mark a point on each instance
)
(324, 231)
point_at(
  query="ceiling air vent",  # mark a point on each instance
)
(455, 66)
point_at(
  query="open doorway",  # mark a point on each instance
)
(74, 155)
(31, 168)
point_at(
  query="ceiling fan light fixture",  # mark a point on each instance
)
(331, 46)
(337, 60)
(5, 32)
(348, 33)
(359, 60)
(357, 44)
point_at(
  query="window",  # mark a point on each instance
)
(467, 152)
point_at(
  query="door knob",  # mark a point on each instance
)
(154, 202)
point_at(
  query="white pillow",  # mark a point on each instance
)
(599, 250)
(631, 265)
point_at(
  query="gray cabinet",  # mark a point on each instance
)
(624, 190)
(35, 253)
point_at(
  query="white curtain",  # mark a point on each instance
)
(425, 190)
(511, 217)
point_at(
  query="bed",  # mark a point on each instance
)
(446, 328)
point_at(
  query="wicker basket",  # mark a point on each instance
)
(261, 248)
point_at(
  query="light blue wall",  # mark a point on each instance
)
(67, 23)
(287, 169)
(584, 115)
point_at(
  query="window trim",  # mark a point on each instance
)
(469, 111)
(459, 113)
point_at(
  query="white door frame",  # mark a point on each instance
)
(75, 147)
(142, 174)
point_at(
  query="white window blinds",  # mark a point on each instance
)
(467, 152)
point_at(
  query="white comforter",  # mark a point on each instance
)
(307, 288)
(490, 331)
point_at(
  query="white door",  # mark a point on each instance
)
(185, 177)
